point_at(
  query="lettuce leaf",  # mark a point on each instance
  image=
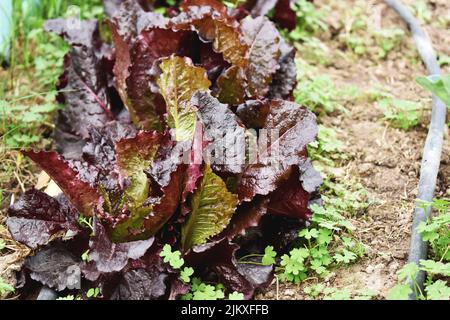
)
(216, 26)
(134, 155)
(36, 219)
(181, 132)
(290, 128)
(178, 82)
(81, 194)
(263, 40)
(212, 207)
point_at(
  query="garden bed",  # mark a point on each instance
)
(374, 170)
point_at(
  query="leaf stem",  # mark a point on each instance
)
(251, 255)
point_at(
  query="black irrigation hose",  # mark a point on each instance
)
(431, 152)
(433, 145)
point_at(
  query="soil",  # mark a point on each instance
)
(385, 160)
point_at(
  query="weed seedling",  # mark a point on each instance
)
(436, 232)
(5, 287)
(402, 114)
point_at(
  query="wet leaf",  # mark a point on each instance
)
(81, 194)
(263, 39)
(145, 104)
(215, 26)
(134, 155)
(289, 129)
(248, 215)
(84, 83)
(141, 284)
(36, 218)
(212, 207)
(107, 257)
(231, 86)
(224, 132)
(178, 82)
(284, 80)
(290, 199)
(56, 268)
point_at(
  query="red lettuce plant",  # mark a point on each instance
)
(181, 132)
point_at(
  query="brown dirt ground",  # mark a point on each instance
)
(385, 160)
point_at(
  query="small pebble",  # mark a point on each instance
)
(330, 276)
(393, 266)
(365, 168)
(289, 292)
(370, 269)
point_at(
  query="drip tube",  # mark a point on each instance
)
(433, 145)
